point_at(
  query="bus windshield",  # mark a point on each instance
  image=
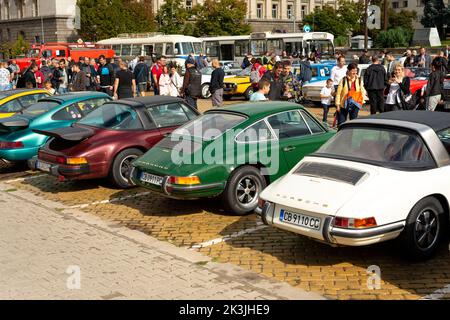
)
(323, 48)
(184, 48)
(197, 47)
(258, 47)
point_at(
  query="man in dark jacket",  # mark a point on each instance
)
(375, 80)
(29, 76)
(141, 74)
(364, 58)
(192, 83)
(78, 81)
(216, 86)
(276, 82)
(106, 76)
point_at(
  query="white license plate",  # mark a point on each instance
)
(299, 219)
(151, 178)
(43, 166)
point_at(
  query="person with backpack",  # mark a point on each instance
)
(257, 72)
(141, 74)
(192, 84)
(350, 95)
(216, 85)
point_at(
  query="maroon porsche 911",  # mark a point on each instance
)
(107, 140)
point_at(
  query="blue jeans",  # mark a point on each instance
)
(191, 101)
(325, 107)
(352, 113)
(62, 90)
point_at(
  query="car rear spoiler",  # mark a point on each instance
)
(74, 133)
(13, 124)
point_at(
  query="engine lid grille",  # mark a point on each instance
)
(331, 172)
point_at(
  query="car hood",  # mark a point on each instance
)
(237, 79)
(320, 185)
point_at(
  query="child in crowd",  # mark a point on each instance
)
(326, 96)
(260, 95)
(48, 86)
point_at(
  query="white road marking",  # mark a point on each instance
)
(438, 294)
(259, 226)
(81, 206)
(26, 178)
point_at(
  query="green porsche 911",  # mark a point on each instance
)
(233, 152)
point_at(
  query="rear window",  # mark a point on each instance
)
(40, 108)
(114, 117)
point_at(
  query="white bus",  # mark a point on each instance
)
(174, 47)
(234, 48)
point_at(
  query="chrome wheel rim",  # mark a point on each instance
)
(125, 167)
(426, 229)
(247, 191)
(206, 94)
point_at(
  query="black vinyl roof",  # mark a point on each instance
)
(436, 120)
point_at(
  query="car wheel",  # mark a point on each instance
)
(243, 189)
(121, 167)
(205, 91)
(248, 93)
(424, 227)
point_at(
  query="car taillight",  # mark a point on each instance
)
(11, 145)
(76, 161)
(61, 160)
(184, 180)
(351, 223)
(261, 203)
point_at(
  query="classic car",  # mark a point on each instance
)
(106, 141)
(238, 85)
(18, 141)
(15, 101)
(320, 71)
(232, 152)
(206, 79)
(379, 178)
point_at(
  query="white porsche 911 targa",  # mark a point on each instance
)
(379, 178)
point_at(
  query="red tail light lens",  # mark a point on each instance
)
(11, 145)
(350, 223)
(61, 160)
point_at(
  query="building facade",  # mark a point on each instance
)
(37, 20)
(413, 5)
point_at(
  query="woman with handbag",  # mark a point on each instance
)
(350, 95)
(398, 90)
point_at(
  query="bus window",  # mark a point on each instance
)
(126, 49)
(324, 48)
(60, 53)
(117, 49)
(184, 47)
(169, 49)
(159, 48)
(275, 46)
(136, 50)
(241, 48)
(212, 48)
(46, 54)
(258, 47)
(148, 50)
(197, 47)
(291, 47)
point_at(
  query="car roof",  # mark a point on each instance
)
(8, 93)
(148, 101)
(435, 120)
(67, 97)
(258, 109)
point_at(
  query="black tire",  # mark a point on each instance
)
(205, 91)
(121, 167)
(248, 93)
(227, 97)
(425, 226)
(243, 189)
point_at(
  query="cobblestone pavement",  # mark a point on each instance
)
(203, 226)
(48, 253)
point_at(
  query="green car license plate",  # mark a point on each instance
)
(299, 219)
(151, 178)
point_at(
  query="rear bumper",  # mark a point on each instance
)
(67, 171)
(21, 154)
(334, 235)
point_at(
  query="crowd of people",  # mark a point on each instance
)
(384, 83)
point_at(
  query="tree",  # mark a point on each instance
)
(392, 38)
(101, 19)
(172, 18)
(435, 14)
(19, 47)
(222, 17)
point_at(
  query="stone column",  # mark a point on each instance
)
(282, 9)
(268, 9)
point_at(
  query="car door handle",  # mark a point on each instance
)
(289, 149)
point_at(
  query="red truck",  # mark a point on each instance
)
(39, 52)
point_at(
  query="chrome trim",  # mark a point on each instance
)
(164, 185)
(267, 213)
(429, 136)
(366, 233)
(258, 211)
(326, 229)
(189, 188)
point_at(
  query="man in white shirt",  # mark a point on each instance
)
(338, 72)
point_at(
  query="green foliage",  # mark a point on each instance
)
(221, 17)
(172, 17)
(341, 41)
(392, 38)
(101, 19)
(339, 22)
(19, 47)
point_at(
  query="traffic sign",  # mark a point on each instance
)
(306, 28)
(373, 17)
